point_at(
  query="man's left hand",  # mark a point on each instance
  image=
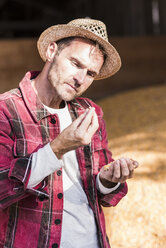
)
(117, 171)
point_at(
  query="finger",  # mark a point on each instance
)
(79, 120)
(116, 170)
(93, 125)
(111, 170)
(86, 121)
(130, 164)
(125, 167)
(134, 163)
(81, 125)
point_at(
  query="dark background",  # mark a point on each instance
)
(137, 29)
(28, 18)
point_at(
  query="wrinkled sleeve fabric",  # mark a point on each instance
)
(14, 171)
(44, 163)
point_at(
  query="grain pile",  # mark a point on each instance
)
(136, 124)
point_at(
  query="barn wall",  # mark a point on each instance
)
(143, 63)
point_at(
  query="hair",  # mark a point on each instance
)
(65, 42)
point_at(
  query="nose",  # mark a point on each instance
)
(80, 77)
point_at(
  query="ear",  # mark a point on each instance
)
(51, 51)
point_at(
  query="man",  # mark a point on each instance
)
(53, 146)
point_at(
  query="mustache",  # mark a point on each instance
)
(74, 86)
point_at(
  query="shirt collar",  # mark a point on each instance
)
(33, 102)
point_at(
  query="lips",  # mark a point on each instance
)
(71, 86)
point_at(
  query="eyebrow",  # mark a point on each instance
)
(83, 66)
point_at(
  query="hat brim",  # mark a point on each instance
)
(54, 33)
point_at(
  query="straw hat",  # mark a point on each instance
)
(87, 28)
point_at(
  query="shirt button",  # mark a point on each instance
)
(60, 196)
(55, 245)
(18, 190)
(59, 172)
(57, 221)
(41, 198)
(53, 121)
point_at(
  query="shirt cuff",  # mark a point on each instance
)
(44, 163)
(102, 188)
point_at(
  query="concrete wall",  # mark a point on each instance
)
(143, 63)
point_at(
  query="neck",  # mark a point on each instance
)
(45, 91)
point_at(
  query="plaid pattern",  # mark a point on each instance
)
(33, 218)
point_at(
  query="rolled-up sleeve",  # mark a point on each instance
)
(14, 171)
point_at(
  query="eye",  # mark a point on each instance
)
(75, 63)
(91, 74)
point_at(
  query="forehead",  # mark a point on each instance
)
(83, 48)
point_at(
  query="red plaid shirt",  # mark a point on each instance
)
(32, 218)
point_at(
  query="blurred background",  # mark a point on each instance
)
(136, 28)
(133, 100)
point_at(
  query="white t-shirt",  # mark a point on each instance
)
(78, 223)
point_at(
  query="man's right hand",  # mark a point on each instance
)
(79, 133)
